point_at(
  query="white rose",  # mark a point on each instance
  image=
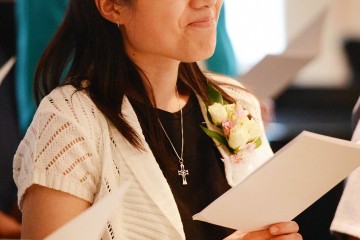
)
(242, 121)
(218, 113)
(230, 109)
(238, 137)
(253, 128)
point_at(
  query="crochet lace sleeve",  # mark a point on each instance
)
(61, 147)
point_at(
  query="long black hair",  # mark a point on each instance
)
(89, 47)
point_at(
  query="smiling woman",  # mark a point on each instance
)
(121, 98)
(188, 34)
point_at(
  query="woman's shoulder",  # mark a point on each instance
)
(63, 145)
(71, 105)
(234, 88)
(68, 100)
(65, 96)
(224, 80)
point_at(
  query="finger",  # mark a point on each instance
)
(292, 236)
(258, 235)
(284, 228)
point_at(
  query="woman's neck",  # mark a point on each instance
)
(163, 76)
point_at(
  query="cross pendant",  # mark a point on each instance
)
(182, 172)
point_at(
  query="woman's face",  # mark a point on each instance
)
(183, 30)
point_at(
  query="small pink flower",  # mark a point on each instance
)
(236, 158)
(227, 125)
(251, 146)
(240, 112)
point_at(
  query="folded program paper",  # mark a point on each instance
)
(274, 72)
(91, 224)
(294, 178)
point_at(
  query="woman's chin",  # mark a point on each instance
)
(198, 57)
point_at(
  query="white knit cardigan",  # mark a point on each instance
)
(71, 146)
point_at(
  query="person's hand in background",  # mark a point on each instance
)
(9, 227)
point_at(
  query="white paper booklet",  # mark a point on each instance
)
(274, 73)
(294, 178)
(91, 224)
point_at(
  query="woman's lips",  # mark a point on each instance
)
(204, 22)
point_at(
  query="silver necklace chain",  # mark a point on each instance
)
(182, 172)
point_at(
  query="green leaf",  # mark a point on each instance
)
(209, 115)
(218, 137)
(214, 95)
(258, 142)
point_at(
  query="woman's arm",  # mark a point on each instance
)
(45, 210)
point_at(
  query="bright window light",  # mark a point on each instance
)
(256, 28)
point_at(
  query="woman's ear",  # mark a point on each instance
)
(110, 10)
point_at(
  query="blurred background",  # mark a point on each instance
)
(322, 95)
(319, 98)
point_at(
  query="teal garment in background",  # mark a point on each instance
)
(37, 21)
(223, 60)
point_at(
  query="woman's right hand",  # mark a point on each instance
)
(278, 231)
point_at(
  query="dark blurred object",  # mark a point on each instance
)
(9, 140)
(322, 110)
(352, 52)
(9, 136)
(7, 28)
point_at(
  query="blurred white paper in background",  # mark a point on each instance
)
(356, 134)
(294, 178)
(90, 224)
(274, 73)
(6, 68)
(256, 28)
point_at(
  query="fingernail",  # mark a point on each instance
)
(274, 230)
